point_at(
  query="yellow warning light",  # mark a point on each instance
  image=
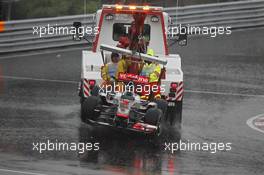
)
(132, 7)
(119, 7)
(146, 8)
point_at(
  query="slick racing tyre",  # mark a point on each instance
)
(87, 108)
(153, 116)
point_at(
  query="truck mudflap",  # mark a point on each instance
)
(86, 88)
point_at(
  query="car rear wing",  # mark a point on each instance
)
(143, 56)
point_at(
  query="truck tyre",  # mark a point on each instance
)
(87, 108)
(82, 98)
(95, 90)
(174, 114)
(162, 105)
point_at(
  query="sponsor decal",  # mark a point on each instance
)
(134, 78)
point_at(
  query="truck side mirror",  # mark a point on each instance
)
(179, 37)
(182, 40)
(76, 36)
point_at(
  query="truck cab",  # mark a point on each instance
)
(115, 21)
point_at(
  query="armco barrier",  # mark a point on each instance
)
(18, 35)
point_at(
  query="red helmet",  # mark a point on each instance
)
(123, 42)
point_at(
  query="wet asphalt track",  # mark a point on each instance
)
(224, 81)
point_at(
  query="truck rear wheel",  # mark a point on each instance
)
(162, 105)
(94, 91)
(174, 114)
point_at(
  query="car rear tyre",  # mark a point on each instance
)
(153, 116)
(87, 108)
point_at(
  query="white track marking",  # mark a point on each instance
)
(76, 82)
(251, 125)
(39, 79)
(223, 93)
(20, 172)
